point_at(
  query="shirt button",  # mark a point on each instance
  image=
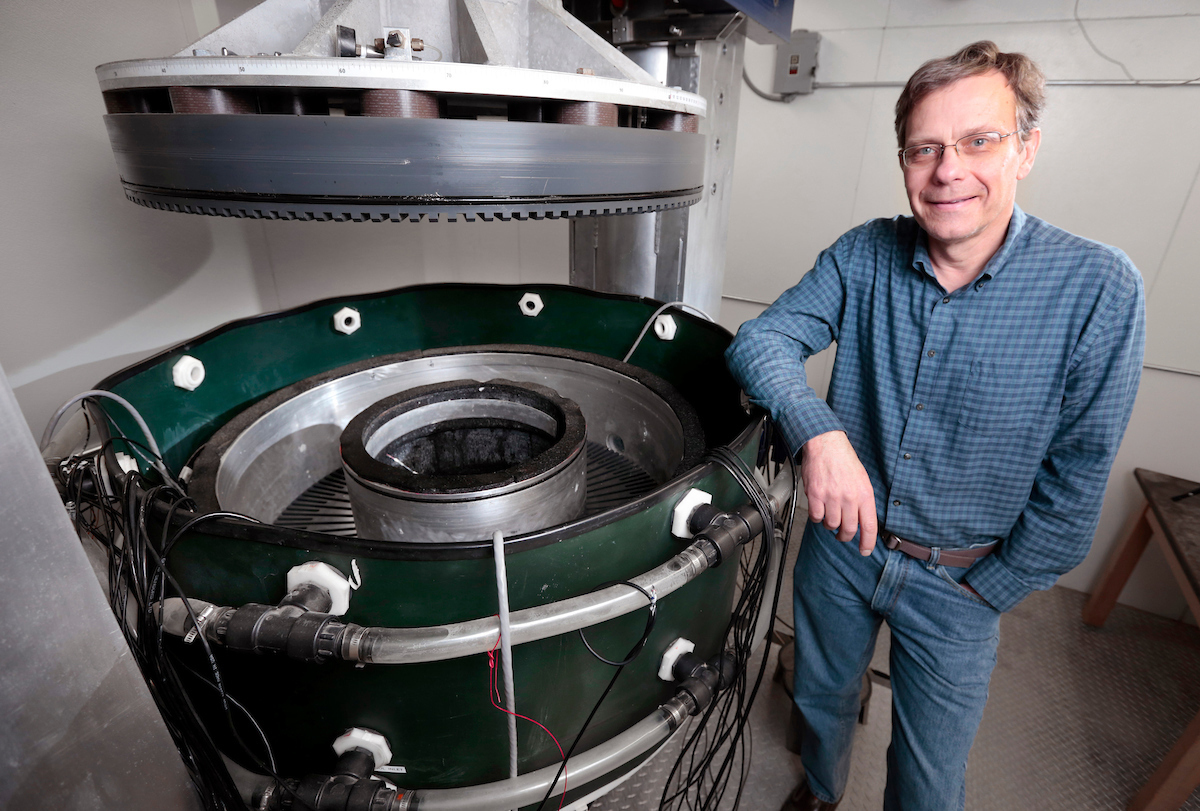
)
(908, 456)
(896, 503)
(920, 406)
(931, 353)
(946, 300)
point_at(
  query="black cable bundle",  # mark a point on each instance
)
(720, 738)
(111, 507)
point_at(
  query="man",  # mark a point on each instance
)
(986, 367)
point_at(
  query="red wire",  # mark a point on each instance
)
(494, 695)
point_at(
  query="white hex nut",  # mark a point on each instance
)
(684, 508)
(187, 373)
(365, 739)
(665, 327)
(326, 577)
(347, 321)
(531, 304)
(678, 648)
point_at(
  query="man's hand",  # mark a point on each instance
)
(839, 491)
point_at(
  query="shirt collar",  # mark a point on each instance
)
(994, 265)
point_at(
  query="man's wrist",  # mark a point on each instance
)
(824, 440)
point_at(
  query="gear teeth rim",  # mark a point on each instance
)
(503, 212)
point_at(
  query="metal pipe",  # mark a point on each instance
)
(583, 768)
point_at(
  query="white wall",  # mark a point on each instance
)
(1116, 164)
(91, 282)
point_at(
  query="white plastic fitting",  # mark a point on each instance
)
(677, 648)
(665, 327)
(372, 742)
(325, 576)
(347, 321)
(126, 462)
(187, 373)
(531, 304)
(684, 508)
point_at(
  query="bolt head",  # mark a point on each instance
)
(531, 304)
(347, 321)
(665, 327)
(187, 373)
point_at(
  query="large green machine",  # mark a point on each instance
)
(257, 411)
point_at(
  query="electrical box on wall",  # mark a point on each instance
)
(796, 63)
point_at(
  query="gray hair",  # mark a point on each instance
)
(1026, 79)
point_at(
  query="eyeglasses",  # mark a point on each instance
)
(970, 148)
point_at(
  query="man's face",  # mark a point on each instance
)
(959, 200)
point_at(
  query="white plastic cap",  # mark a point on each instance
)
(187, 373)
(665, 327)
(678, 648)
(683, 511)
(347, 320)
(325, 576)
(531, 304)
(372, 742)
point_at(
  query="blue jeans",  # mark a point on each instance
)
(943, 651)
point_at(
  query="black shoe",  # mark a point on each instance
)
(802, 799)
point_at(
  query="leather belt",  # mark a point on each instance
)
(955, 558)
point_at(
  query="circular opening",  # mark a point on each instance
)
(348, 321)
(279, 453)
(476, 436)
(195, 374)
(462, 436)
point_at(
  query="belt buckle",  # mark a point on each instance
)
(891, 540)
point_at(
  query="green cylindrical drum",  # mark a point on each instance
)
(264, 434)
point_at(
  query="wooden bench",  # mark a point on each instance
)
(1175, 527)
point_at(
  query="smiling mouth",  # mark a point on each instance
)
(955, 201)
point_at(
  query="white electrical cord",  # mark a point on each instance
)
(683, 305)
(506, 650)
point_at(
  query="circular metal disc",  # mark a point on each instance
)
(359, 168)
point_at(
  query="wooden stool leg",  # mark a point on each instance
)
(1120, 566)
(1176, 777)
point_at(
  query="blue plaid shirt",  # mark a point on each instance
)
(990, 413)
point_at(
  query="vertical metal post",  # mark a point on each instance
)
(676, 255)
